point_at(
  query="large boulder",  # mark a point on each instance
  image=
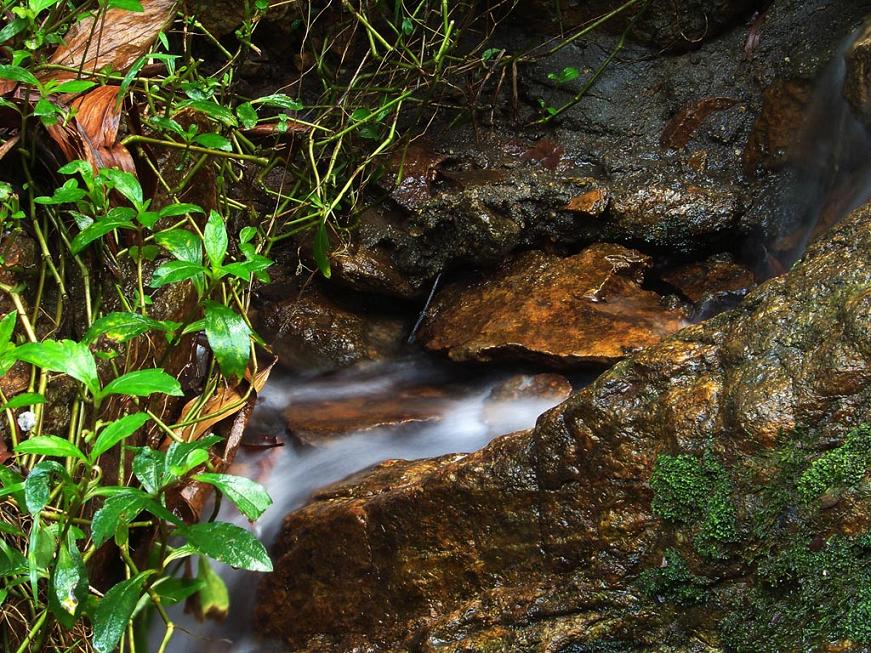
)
(531, 543)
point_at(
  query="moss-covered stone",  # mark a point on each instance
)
(840, 468)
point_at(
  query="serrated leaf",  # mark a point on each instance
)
(148, 466)
(182, 244)
(117, 431)
(117, 510)
(143, 383)
(215, 238)
(50, 445)
(251, 498)
(72, 358)
(229, 544)
(122, 326)
(175, 272)
(37, 485)
(113, 612)
(229, 337)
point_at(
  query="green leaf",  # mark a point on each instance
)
(214, 598)
(182, 244)
(75, 86)
(250, 497)
(213, 110)
(113, 612)
(37, 485)
(246, 234)
(69, 192)
(127, 5)
(113, 220)
(214, 142)
(118, 430)
(229, 337)
(7, 326)
(72, 358)
(179, 209)
(123, 326)
(247, 115)
(50, 445)
(174, 272)
(118, 510)
(11, 29)
(38, 6)
(125, 183)
(18, 74)
(22, 400)
(322, 250)
(229, 544)
(279, 100)
(215, 238)
(148, 466)
(181, 457)
(143, 383)
(174, 590)
(13, 483)
(69, 576)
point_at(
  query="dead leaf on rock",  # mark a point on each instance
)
(683, 125)
(117, 39)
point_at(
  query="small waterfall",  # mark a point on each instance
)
(829, 173)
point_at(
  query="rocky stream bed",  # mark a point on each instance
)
(689, 249)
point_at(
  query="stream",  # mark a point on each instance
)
(460, 417)
(456, 414)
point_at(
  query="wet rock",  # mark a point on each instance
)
(370, 269)
(715, 275)
(588, 308)
(310, 330)
(857, 84)
(531, 543)
(311, 423)
(778, 126)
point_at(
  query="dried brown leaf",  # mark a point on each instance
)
(92, 134)
(116, 38)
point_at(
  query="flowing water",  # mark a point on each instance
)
(463, 419)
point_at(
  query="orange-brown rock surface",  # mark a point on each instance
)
(531, 543)
(587, 308)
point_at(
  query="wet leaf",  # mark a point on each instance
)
(250, 497)
(247, 115)
(37, 485)
(175, 271)
(50, 445)
(229, 544)
(18, 74)
(114, 610)
(182, 244)
(22, 400)
(71, 358)
(123, 326)
(213, 595)
(69, 576)
(179, 209)
(98, 229)
(229, 337)
(213, 110)
(7, 326)
(117, 511)
(143, 383)
(214, 142)
(126, 36)
(215, 239)
(117, 431)
(125, 183)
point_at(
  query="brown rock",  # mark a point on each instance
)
(369, 269)
(592, 202)
(314, 331)
(778, 126)
(717, 274)
(857, 83)
(587, 308)
(313, 422)
(527, 544)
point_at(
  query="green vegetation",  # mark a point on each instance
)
(807, 575)
(697, 494)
